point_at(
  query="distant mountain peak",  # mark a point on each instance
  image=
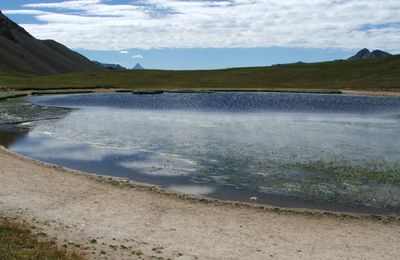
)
(367, 54)
(138, 67)
(110, 66)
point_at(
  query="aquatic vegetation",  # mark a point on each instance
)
(17, 111)
(371, 172)
(375, 185)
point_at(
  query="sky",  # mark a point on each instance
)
(196, 34)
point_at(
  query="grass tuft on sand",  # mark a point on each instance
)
(18, 242)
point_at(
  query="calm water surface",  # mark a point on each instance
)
(299, 150)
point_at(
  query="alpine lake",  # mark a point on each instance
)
(319, 151)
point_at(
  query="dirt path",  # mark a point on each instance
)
(117, 220)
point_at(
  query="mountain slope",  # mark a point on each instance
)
(21, 52)
(366, 54)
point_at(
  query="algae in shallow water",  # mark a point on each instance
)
(18, 110)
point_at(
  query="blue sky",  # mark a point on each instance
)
(214, 58)
(196, 34)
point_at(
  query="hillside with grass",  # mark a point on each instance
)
(369, 74)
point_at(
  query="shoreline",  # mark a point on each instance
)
(78, 208)
(66, 91)
(372, 93)
(119, 181)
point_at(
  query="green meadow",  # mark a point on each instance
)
(371, 74)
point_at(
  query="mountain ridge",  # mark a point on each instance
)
(367, 54)
(110, 66)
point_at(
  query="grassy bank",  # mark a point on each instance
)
(18, 242)
(60, 92)
(374, 74)
(207, 90)
(11, 95)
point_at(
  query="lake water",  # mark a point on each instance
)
(334, 152)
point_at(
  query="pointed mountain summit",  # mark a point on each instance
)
(138, 67)
(366, 54)
(361, 55)
(20, 51)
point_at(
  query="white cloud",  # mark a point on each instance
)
(69, 4)
(146, 24)
(26, 12)
(124, 52)
(138, 56)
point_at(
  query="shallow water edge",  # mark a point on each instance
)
(122, 182)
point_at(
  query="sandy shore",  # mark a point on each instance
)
(107, 218)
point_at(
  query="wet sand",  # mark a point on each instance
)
(115, 219)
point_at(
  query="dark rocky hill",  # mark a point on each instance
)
(366, 54)
(110, 66)
(20, 51)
